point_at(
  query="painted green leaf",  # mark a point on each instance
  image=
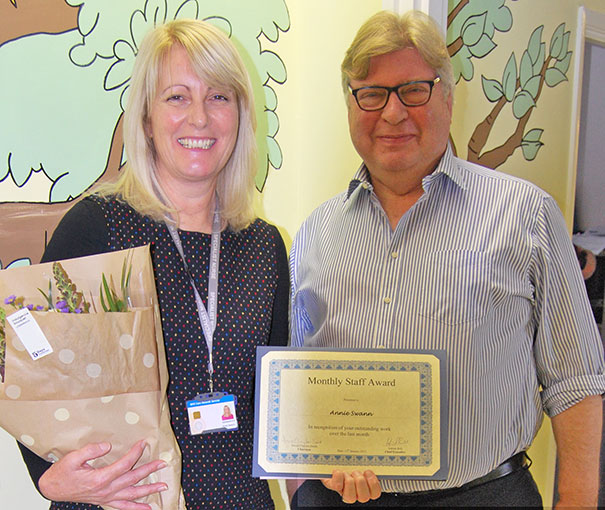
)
(274, 66)
(120, 71)
(492, 89)
(462, 64)
(533, 135)
(525, 69)
(509, 78)
(553, 77)
(563, 64)
(522, 103)
(503, 19)
(530, 149)
(541, 58)
(270, 98)
(483, 47)
(275, 155)
(532, 86)
(556, 42)
(473, 29)
(533, 46)
(564, 46)
(272, 123)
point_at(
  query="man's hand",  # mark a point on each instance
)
(354, 487)
(73, 479)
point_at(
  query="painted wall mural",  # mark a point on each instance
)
(472, 25)
(66, 67)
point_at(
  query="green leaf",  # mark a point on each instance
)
(492, 89)
(503, 19)
(48, 297)
(564, 46)
(563, 64)
(522, 103)
(533, 135)
(530, 149)
(553, 77)
(473, 29)
(532, 86)
(108, 294)
(533, 46)
(541, 59)
(105, 307)
(525, 69)
(483, 47)
(556, 42)
(509, 78)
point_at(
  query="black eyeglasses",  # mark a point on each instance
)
(413, 93)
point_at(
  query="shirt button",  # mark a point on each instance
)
(365, 185)
(394, 254)
(387, 300)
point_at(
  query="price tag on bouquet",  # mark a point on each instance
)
(30, 334)
(212, 412)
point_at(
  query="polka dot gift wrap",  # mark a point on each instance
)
(106, 377)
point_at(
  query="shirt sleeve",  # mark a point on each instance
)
(279, 320)
(82, 231)
(568, 349)
(300, 322)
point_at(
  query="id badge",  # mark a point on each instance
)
(212, 412)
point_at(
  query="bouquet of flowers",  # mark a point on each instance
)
(103, 376)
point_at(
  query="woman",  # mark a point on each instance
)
(187, 187)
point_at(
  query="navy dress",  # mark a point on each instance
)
(252, 310)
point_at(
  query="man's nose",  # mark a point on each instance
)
(394, 111)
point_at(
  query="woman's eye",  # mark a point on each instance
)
(175, 98)
(220, 97)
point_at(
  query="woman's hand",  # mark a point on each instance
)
(355, 486)
(73, 479)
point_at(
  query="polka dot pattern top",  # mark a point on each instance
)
(217, 468)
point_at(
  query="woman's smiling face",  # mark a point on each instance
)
(193, 126)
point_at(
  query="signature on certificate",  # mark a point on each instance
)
(396, 441)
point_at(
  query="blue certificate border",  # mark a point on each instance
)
(424, 370)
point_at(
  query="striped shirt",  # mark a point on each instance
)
(481, 266)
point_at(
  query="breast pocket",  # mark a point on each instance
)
(456, 287)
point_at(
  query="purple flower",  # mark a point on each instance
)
(78, 310)
(10, 299)
(29, 307)
(61, 304)
(39, 308)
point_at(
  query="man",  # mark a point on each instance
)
(426, 251)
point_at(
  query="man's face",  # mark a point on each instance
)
(400, 140)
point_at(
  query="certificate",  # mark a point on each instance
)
(318, 410)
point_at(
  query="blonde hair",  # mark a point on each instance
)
(216, 61)
(386, 32)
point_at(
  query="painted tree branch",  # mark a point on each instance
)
(456, 11)
(36, 17)
(39, 220)
(455, 46)
(499, 155)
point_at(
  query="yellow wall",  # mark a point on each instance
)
(319, 158)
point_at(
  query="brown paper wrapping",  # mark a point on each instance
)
(106, 378)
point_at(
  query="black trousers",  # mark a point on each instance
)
(515, 490)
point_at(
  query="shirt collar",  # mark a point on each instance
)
(447, 166)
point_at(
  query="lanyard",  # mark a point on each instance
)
(207, 318)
